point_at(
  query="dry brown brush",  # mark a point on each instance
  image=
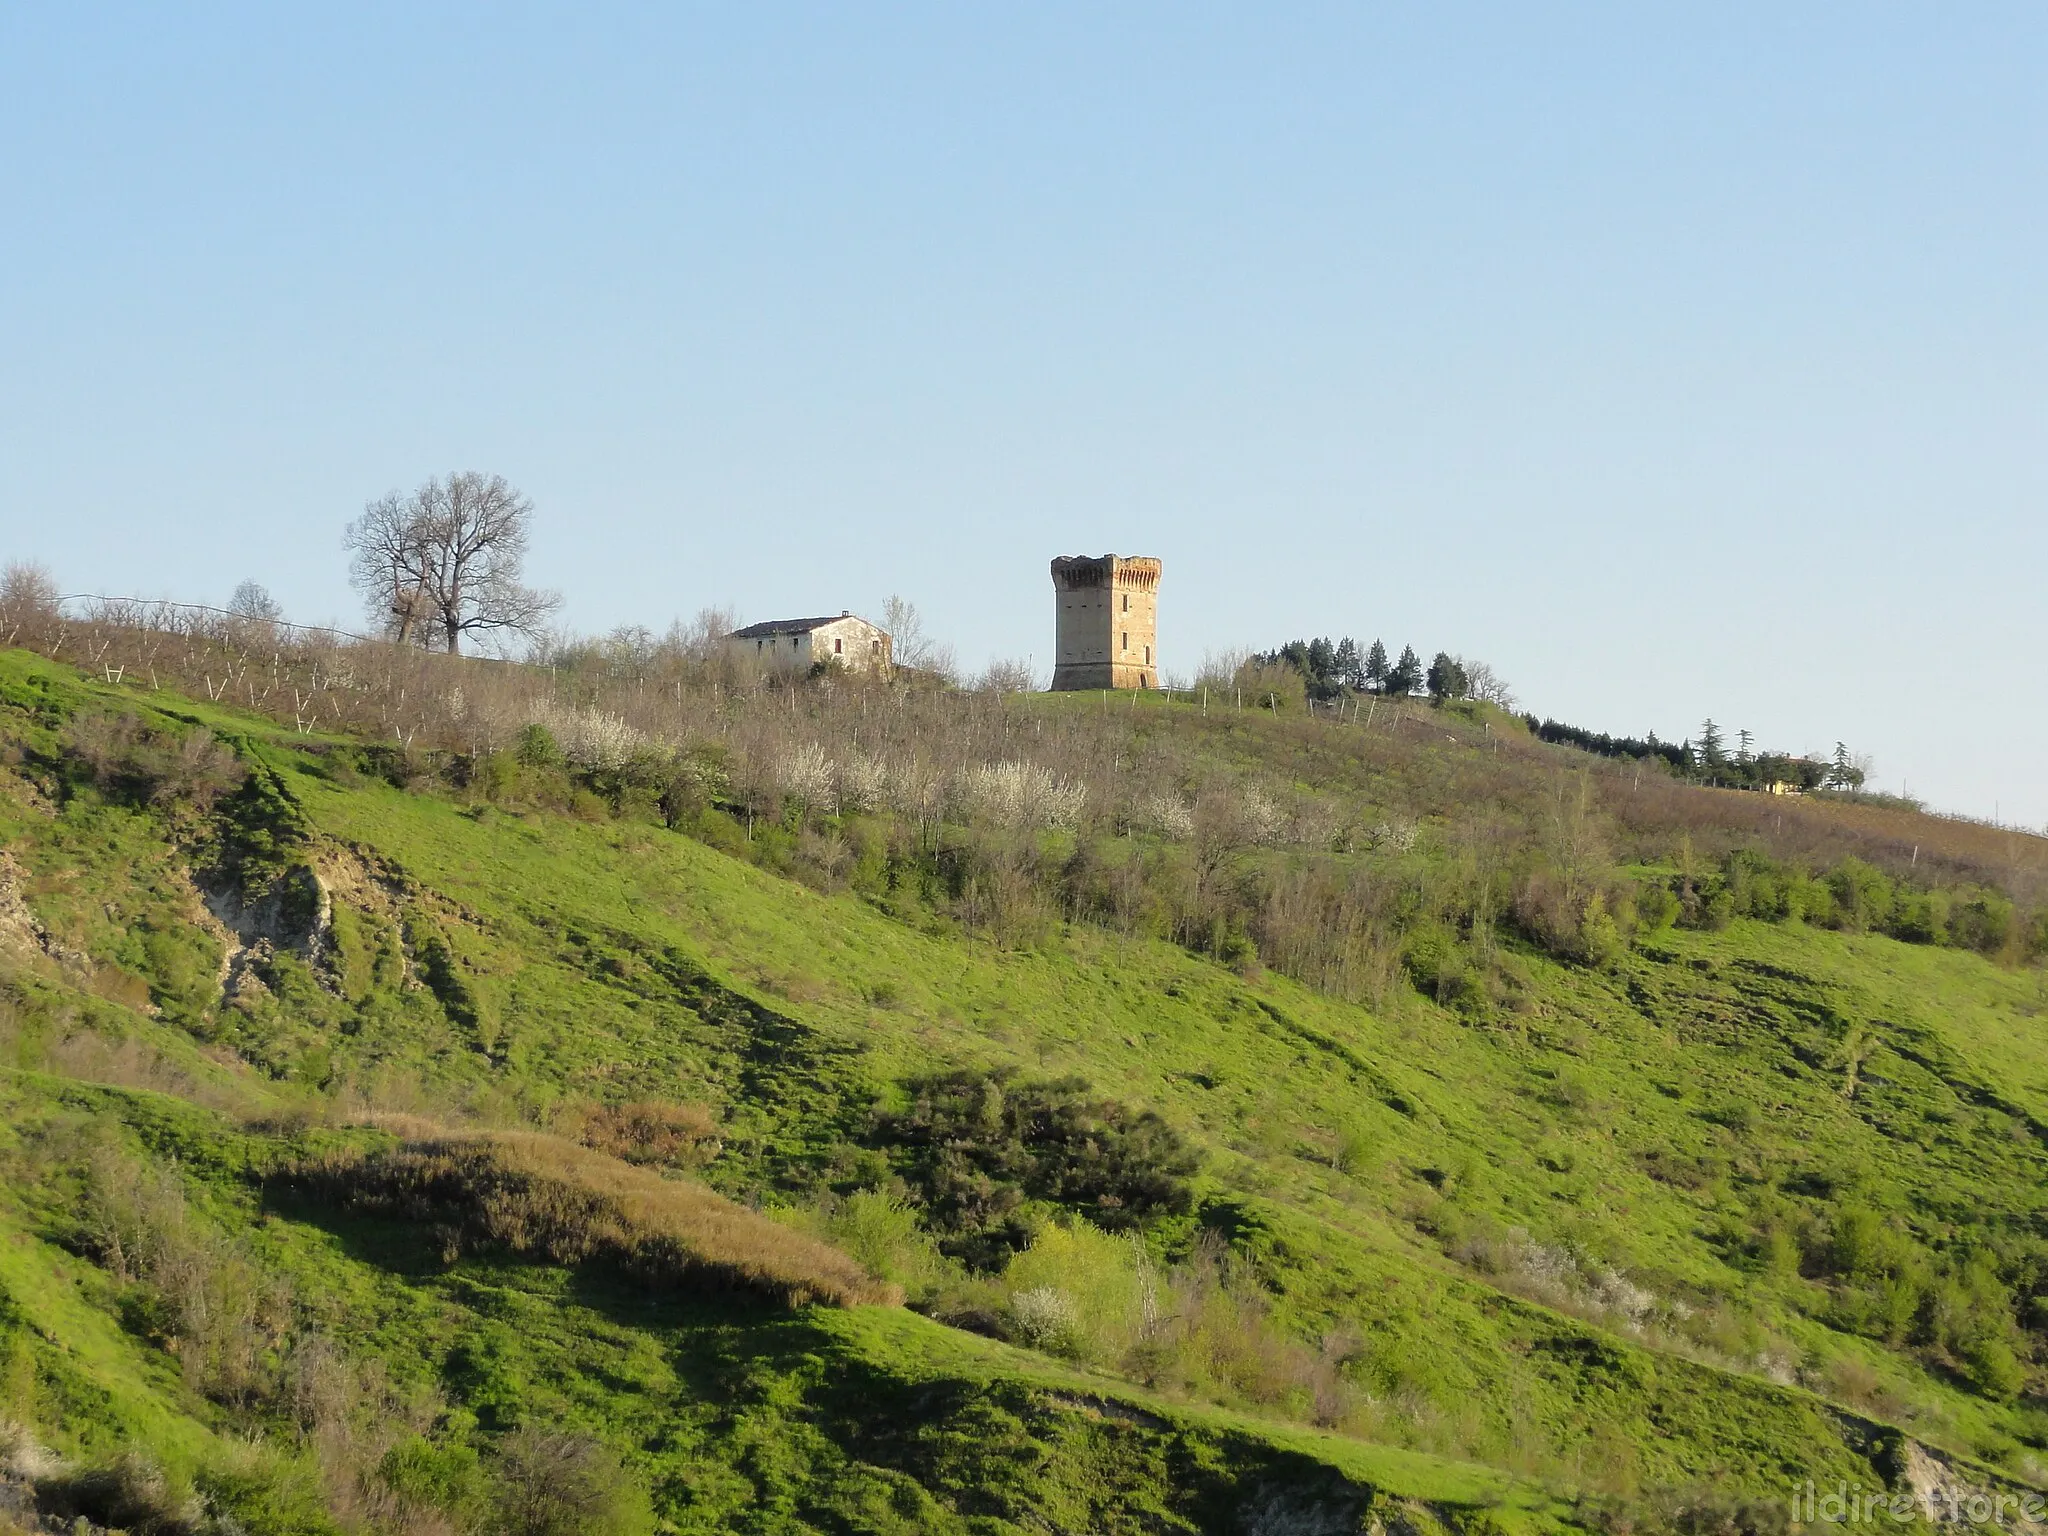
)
(543, 1196)
(1256, 835)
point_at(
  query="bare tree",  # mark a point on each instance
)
(27, 592)
(252, 601)
(703, 638)
(390, 564)
(1007, 674)
(1482, 682)
(909, 645)
(447, 561)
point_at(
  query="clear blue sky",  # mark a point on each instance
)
(1679, 360)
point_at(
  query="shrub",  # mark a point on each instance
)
(536, 747)
(1992, 1367)
(1271, 686)
(1657, 907)
(1984, 923)
(1432, 958)
(17, 1377)
(1919, 917)
(204, 1298)
(976, 1146)
(1599, 941)
(129, 1493)
(1081, 1292)
(127, 761)
(1044, 1318)
(556, 1484)
(1863, 895)
(423, 1478)
(884, 1236)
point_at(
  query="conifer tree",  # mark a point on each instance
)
(1347, 668)
(1446, 678)
(1713, 747)
(1406, 675)
(1842, 771)
(1376, 667)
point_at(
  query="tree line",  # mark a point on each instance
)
(1713, 762)
(1332, 670)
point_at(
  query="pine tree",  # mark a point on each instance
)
(1713, 747)
(1348, 668)
(1406, 674)
(1376, 667)
(1843, 772)
(1446, 678)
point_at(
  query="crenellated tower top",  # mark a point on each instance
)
(1076, 572)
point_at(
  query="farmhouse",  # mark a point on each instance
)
(797, 645)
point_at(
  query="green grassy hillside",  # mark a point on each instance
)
(1684, 1223)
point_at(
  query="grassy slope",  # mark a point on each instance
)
(1275, 1076)
(584, 955)
(737, 1416)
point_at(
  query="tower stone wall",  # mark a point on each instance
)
(1108, 622)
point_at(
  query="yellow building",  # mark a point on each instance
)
(1108, 622)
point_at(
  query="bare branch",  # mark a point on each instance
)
(448, 560)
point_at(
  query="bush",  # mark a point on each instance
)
(536, 747)
(422, 1478)
(976, 1146)
(17, 1377)
(126, 761)
(1863, 895)
(1992, 1367)
(204, 1297)
(1657, 907)
(129, 1493)
(1919, 917)
(884, 1236)
(1432, 958)
(1985, 923)
(1044, 1318)
(1080, 1292)
(1600, 940)
(556, 1484)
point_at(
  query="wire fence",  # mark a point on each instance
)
(146, 606)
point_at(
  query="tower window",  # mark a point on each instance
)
(1127, 640)
(838, 646)
(1127, 602)
(1148, 655)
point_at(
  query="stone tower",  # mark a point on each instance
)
(1108, 622)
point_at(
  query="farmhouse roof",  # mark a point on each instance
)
(787, 627)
